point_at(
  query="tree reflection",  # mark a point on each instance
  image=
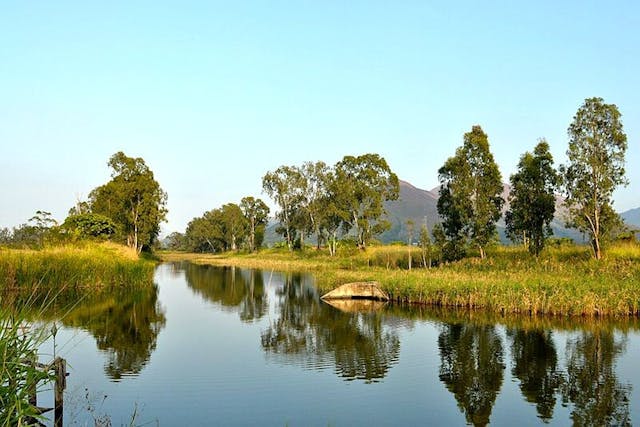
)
(472, 368)
(125, 326)
(233, 288)
(317, 335)
(535, 365)
(591, 384)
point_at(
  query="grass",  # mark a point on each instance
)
(20, 379)
(95, 266)
(563, 281)
(36, 282)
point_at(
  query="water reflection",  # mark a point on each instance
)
(125, 326)
(124, 323)
(567, 369)
(535, 364)
(592, 386)
(472, 365)
(312, 333)
(232, 288)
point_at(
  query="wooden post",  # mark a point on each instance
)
(33, 388)
(60, 369)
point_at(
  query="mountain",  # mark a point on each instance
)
(632, 217)
(414, 204)
(421, 206)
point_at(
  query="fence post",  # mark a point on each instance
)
(60, 369)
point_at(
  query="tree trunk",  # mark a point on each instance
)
(597, 250)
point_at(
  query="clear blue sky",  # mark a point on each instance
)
(213, 95)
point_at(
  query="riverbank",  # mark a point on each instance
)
(563, 281)
(88, 265)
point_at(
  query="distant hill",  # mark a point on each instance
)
(420, 206)
(632, 217)
(414, 204)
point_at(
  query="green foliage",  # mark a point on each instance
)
(34, 234)
(89, 225)
(287, 186)
(362, 184)
(532, 199)
(470, 201)
(175, 241)
(320, 200)
(218, 230)
(597, 147)
(256, 213)
(133, 199)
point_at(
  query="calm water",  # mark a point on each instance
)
(213, 346)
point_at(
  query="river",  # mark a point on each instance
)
(229, 346)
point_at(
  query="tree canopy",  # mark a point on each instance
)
(532, 201)
(133, 199)
(597, 147)
(318, 199)
(470, 195)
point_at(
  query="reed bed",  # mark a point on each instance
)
(82, 266)
(563, 281)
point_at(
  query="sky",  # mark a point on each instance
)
(212, 95)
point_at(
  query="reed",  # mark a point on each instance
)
(20, 378)
(82, 266)
(563, 281)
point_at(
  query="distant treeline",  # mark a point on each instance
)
(313, 199)
(347, 199)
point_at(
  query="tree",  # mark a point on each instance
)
(201, 235)
(217, 230)
(532, 199)
(133, 199)
(40, 226)
(286, 186)
(176, 241)
(332, 213)
(410, 229)
(597, 146)
(426, 247)
(470, 189)
(89, 225)
(233, 225)
(363, 184)
(439, 241)
(5, 236)
(316, 176)
(256, 212)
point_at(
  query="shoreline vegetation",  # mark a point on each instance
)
(562, 281)
(82, 266)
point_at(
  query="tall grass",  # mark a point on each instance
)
(20, 378)
(36, 282)
(90, 265)
(563, 281)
